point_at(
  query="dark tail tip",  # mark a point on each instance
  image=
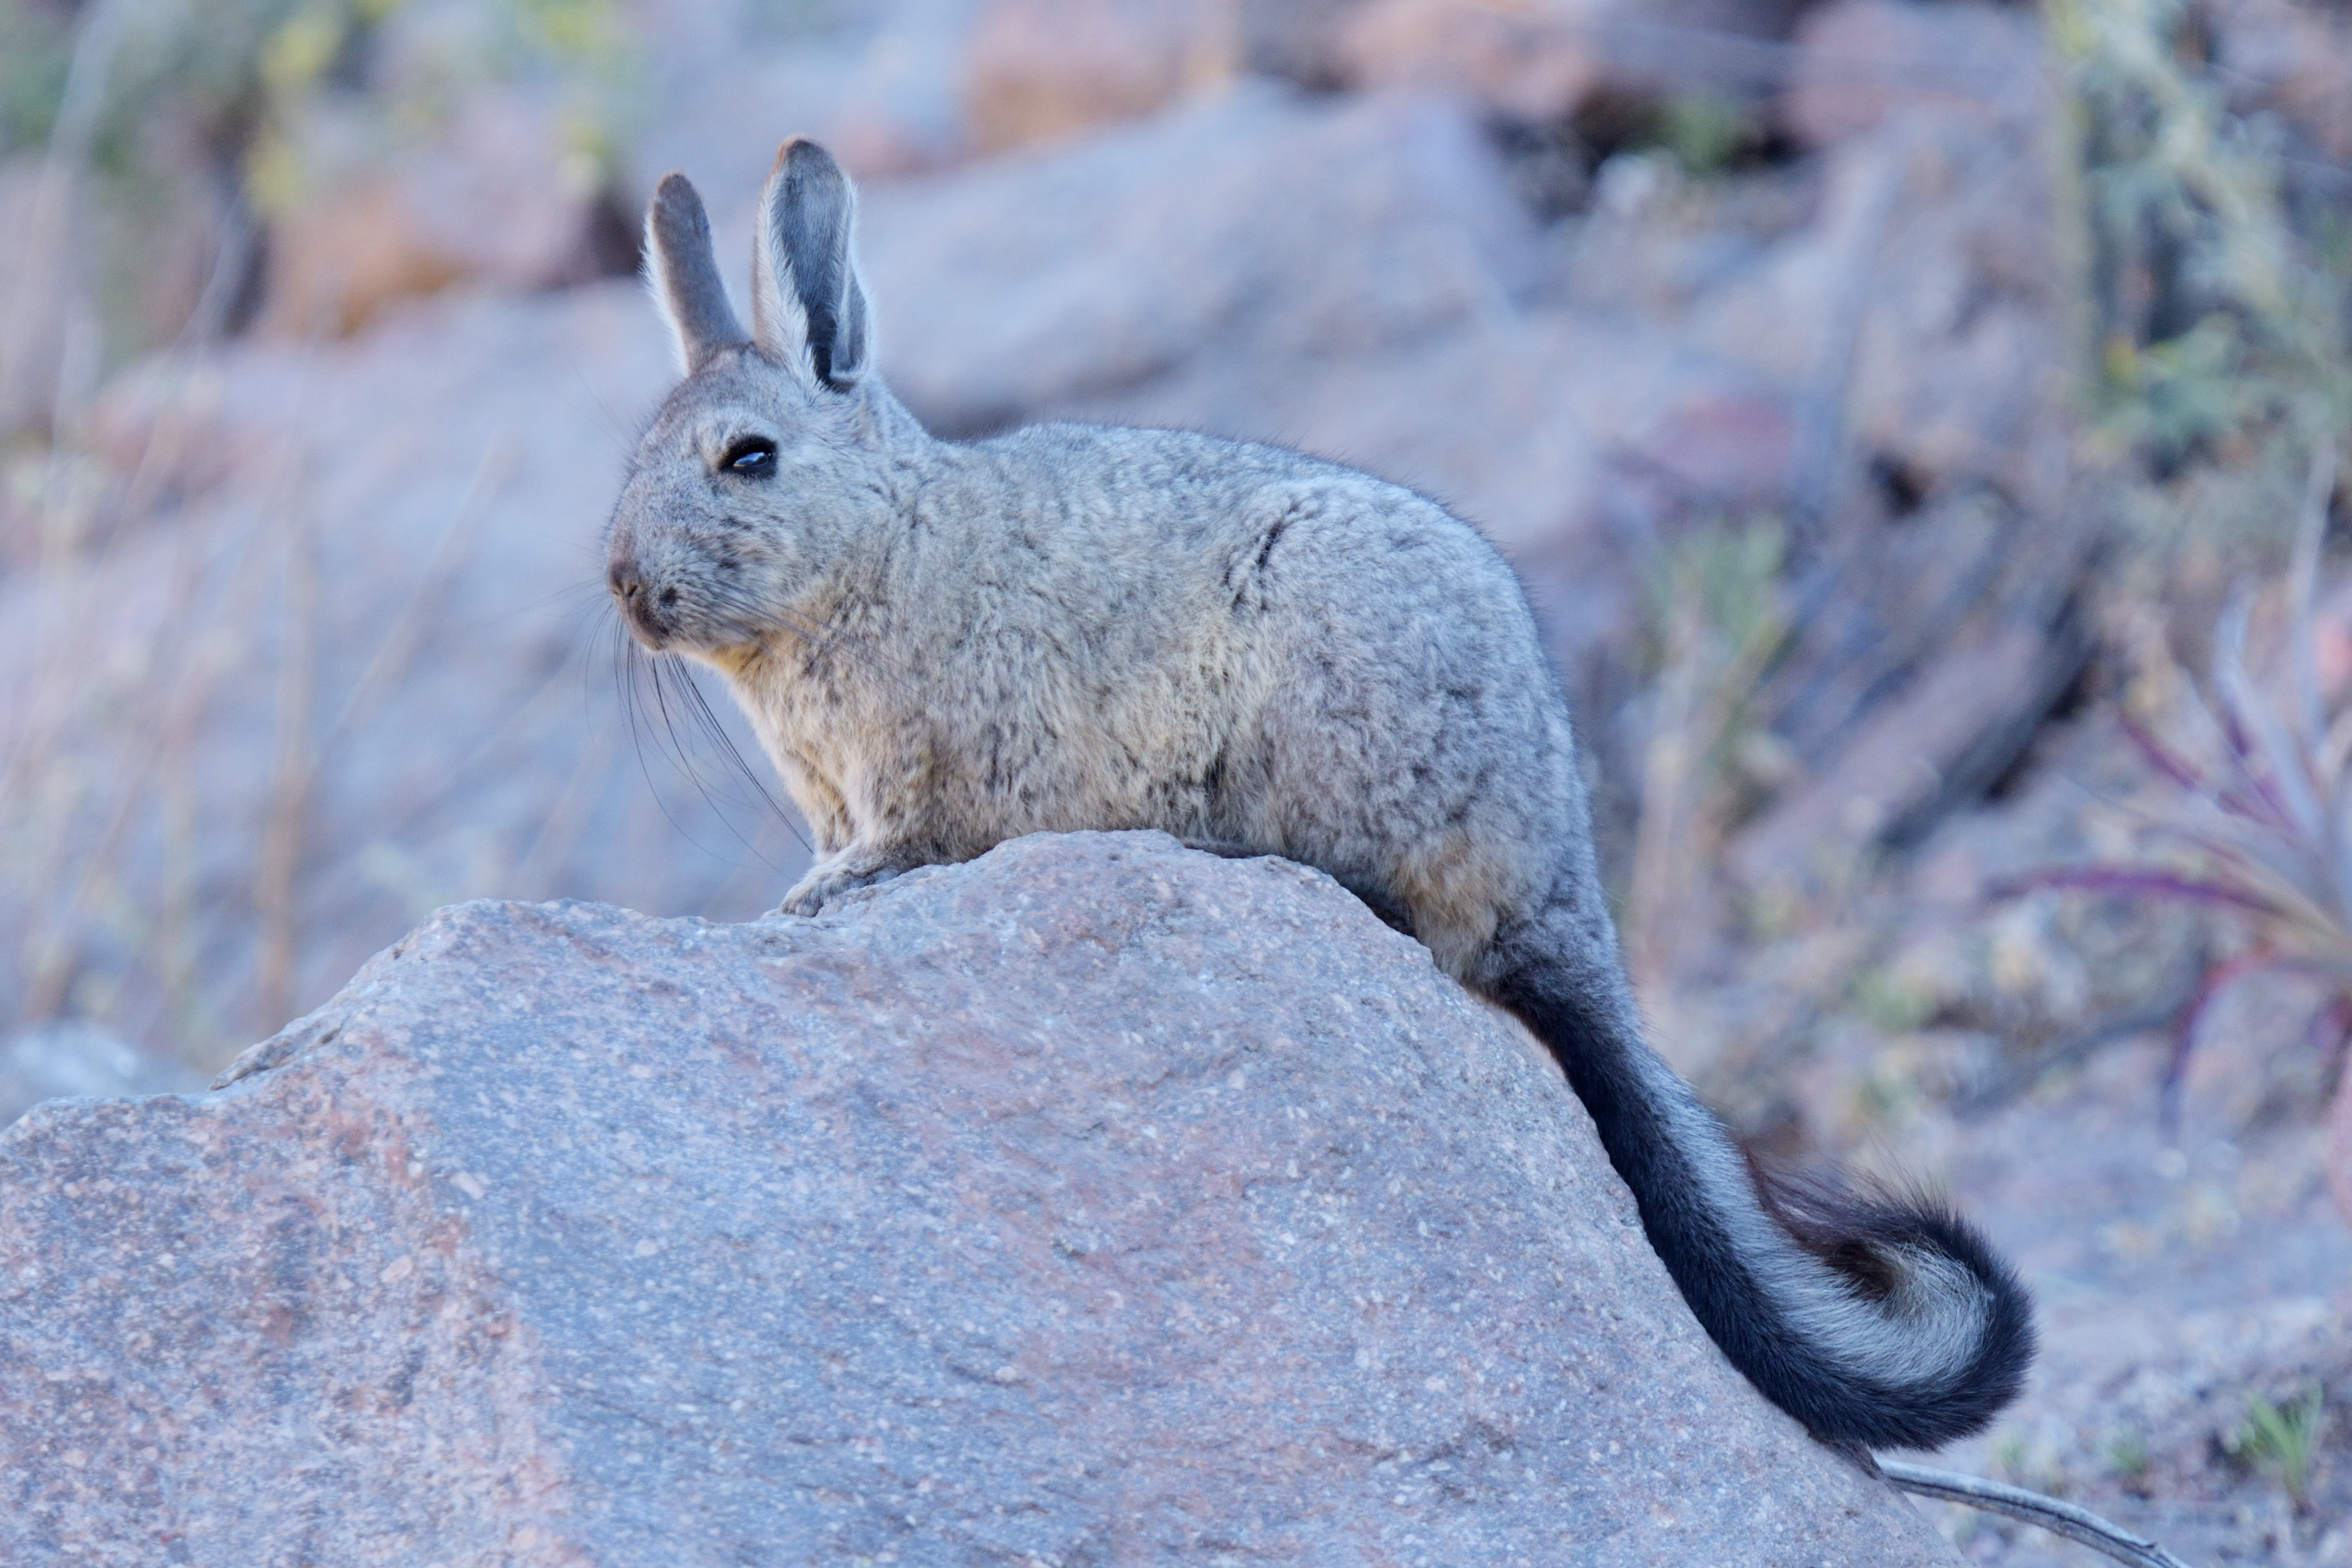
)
(1864, 1234)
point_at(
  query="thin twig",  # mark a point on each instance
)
(2018, 1081)
(2076, 1524)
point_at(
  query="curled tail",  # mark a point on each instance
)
(1876, 1322)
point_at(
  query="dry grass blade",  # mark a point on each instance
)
(1720, 623)
(278, 864)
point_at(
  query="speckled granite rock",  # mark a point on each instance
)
(1097, 1203)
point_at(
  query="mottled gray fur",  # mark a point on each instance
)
(943, 646)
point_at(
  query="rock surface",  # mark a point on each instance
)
(495, 198)
(1862, 62)
(1044, 70)
(1201, 236)
(1097, 1202)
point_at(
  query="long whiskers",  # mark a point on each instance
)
(657, 694)
(821, 638)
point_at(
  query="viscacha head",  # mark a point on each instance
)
(749, 493)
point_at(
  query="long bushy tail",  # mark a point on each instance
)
(1876, 1322)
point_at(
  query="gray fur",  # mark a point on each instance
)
(945, 645)
(684, 274)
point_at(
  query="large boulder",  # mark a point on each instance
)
(1352, 277)
(1044, 70)
(498, 196)
(1860, 63)
(1095, 1202)
(1253, 226)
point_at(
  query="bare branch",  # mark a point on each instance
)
(2076, 1524)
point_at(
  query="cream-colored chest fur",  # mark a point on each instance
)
(971, 694)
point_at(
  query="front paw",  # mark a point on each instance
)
(828, 880)
(803, 900)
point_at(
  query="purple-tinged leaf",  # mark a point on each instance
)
(2303, 578)
(2215, 787)
(2164, 759)
(2286, 765)
(2331, 1026)
(2217, 978)
(2264, 804)
(2139, 879)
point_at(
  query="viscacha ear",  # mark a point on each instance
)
(682, 270)
(808, 308)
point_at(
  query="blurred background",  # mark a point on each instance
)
(1917, 423)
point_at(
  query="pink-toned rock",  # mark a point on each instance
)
(900, 105)
(1536, 60)
(939, 82)
(1251, 227)
(1098, 1202)
(496, 197)
(1922, 306)
(1044, 70)
(1542, 60)
(1962, 365)
(379, 557)
(1901, 760)
(1860, 61)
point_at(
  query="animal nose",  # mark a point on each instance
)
(627, 585)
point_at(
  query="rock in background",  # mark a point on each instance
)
(77, 1060)
(1096, 1201)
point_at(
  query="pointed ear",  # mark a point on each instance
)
(808, 308)
(683, 273)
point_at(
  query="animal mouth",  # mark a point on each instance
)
(664, 618)
(651, 611)
(654, 620)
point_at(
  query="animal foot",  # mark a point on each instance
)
(828, 880)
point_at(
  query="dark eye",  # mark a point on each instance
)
(753, 455)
